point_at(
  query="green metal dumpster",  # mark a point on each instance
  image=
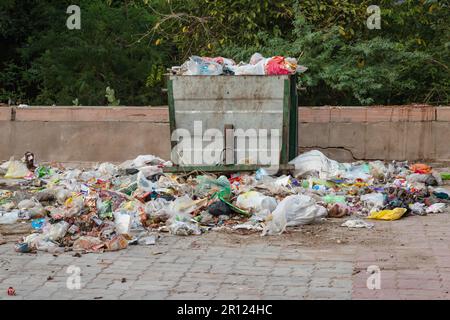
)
(232, 123)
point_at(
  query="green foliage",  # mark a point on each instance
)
(349, 64)
(156, 76)
(207, 26)
(59, 65)
(128, 44)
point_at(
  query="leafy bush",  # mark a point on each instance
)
(127, 44)
(55, 65)
(349, 64)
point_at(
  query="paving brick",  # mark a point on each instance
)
(217, 267)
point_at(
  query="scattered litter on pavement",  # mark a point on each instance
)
(417, 208)
(109, 207)
(11, 291)
(436, 208)
(357, 223)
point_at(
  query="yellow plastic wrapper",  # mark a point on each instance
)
(395, 214)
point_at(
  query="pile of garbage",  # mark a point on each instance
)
(258, 65)
(110, 207)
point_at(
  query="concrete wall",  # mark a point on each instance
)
(389, 133)
(85, 134)
(116, 134)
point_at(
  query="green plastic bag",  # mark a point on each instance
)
(445, 175)
(329, 198)
(42, 171)
(219, 187)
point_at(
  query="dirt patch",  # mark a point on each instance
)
(319, 235)
(13, 232)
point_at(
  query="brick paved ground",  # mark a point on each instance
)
(315, 262)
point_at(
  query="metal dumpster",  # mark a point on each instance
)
(232, 123)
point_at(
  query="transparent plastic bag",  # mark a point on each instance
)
(9, 217)
(74, 206)
(199, 66)
(144, 184)
(373, 201)
(184, 205)
(159, 210)
(183, 228)
(16, 170)
(217, 187)
(257, 69)
(256, 202)
(55, 231)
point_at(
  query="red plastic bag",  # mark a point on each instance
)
(276, 66)
(420, 168)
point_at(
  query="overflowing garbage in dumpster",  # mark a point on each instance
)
(258, 65)
(109, 207)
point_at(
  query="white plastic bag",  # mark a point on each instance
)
(71, 174)
(144, 184)
(378, 169)
(48, 246)
(315, 163)
(107, 170)
(9, 217)
(373, 201)
(122, 222)
(357, 172)
(256, 57)
(417, 208)
(357, 223)
(294, 210)
(142, 161)
(257, 69)
(150, 171)
(256, 202)
(4, 167)
(436, 208)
